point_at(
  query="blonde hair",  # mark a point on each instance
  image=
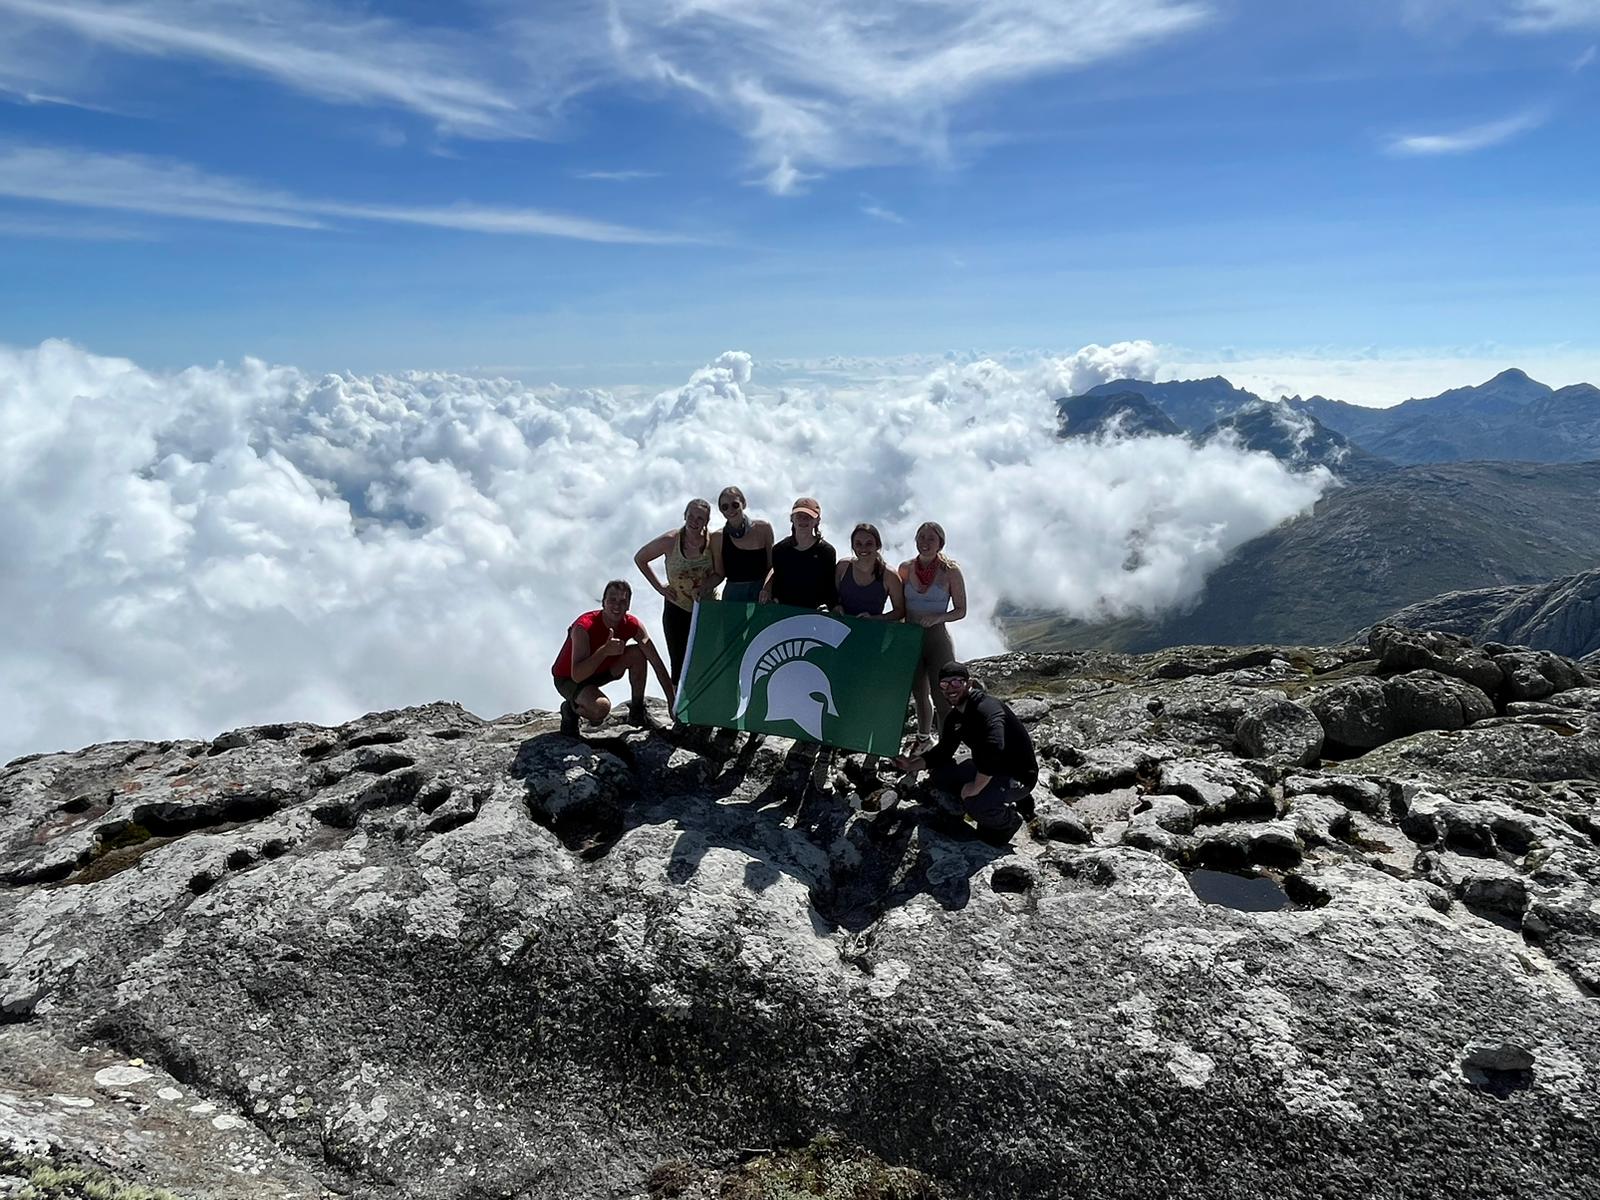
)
(938, 531)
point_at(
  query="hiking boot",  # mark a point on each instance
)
(639, 715)
(569, 719)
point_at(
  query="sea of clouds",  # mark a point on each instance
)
(189, 552)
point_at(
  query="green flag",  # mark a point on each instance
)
(799, 673)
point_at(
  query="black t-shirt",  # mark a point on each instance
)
(804, 578)
(999, 742)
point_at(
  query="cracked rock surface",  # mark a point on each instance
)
(429, 955)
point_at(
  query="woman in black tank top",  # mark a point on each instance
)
(865, 584)
(741, 550)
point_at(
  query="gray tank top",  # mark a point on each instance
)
(862, 600)
(932, 602)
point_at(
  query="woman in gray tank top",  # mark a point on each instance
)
(936, 594)
(865, 582)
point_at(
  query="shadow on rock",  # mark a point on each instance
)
(782, 804)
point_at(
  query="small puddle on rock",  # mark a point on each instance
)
(1248, 893)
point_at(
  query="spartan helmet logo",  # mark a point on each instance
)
(797, 690)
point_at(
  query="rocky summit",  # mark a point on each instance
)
(1287, 922)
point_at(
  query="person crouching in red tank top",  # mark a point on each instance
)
(597, 652)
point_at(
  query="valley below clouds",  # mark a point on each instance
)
(192, 551)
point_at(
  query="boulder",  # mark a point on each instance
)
(1281, 731)
(1420, 700)
(1535, 674)
(1366, 712)
(1354, 713)
(1508, 751)
(1427, 650)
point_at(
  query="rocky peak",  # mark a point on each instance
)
(1114, 414)
(1345, 895)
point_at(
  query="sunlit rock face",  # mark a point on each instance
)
(1235, 954)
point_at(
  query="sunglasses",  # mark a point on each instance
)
(730, 506)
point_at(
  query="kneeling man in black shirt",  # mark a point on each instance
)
(995, 786)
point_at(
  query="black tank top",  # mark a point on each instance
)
(743, 566)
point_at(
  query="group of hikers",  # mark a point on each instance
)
(992, 790)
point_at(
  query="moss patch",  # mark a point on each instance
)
(829, 1168)
(30, 1178)
(115, 851)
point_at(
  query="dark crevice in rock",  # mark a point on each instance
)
(391, 790)
(1511, 837)
(382, 762)
(1471, 840)
(1495, 916)
(451, 820)
(1081, 868)
(1011, 877)
(1498, 1070)
(318, 750)
(449, 735)
(378, 737)
(432, 797)
(175, 820)
(25, 876)
(1304, 892)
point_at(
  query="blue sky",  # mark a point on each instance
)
(617, 193)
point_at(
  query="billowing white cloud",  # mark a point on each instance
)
(192, 551)
(1092, 365)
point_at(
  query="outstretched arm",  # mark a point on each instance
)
(663, 676)
(648, 553)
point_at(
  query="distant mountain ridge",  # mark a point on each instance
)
(1562, 616)
(1511, 417)
(1364, 551)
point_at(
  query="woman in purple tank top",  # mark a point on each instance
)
(865, 582)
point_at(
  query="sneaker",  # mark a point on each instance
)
(569, 719)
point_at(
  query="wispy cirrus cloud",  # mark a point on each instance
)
(1470, 138)
(616, 176)
(346, 57)
(80, 231)
(872, 81)
(880, 213)
(1548, 16)
(161, 187)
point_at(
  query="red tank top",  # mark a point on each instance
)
(593, 624)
